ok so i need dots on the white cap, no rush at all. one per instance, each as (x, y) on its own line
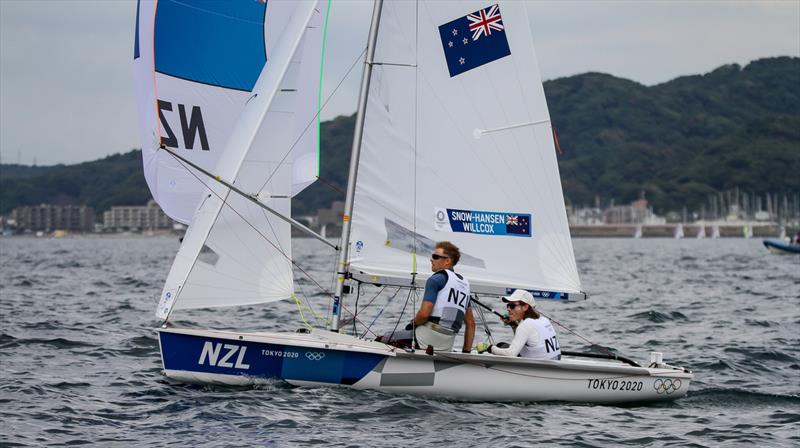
(520, 295)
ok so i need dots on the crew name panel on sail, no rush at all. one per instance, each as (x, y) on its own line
(483, 223)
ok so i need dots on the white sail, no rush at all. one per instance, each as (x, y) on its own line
(715, 231)
(234, 252)
(458, 146)
(701, 232)
(196, 66)
(679, 232)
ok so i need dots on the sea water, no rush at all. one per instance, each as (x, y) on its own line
(79, 359)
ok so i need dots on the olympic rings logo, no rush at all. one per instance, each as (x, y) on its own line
(315, 356)
(666, 386)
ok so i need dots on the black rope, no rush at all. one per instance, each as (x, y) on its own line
(484, 322)
(331, 186)
(402, 312)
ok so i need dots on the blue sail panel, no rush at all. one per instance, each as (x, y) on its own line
(211, 42)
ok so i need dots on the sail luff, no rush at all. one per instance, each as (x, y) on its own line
(236, 151)
(354, 157)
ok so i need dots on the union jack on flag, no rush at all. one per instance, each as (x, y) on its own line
(488, 40)
(512, 220)
(484, 21)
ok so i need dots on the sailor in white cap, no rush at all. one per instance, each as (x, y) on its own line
(534, 336)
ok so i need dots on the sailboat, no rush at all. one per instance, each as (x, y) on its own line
(638, 232)
(701, 232)
(679, 232)
(453, 141)
(715, 231)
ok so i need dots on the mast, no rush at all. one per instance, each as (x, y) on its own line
(344, 253)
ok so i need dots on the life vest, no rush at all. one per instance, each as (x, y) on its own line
(547, 346)
(452, 302)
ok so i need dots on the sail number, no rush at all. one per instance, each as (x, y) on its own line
(192, 126)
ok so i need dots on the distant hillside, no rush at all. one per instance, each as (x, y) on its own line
(114, 180)
(678, 141)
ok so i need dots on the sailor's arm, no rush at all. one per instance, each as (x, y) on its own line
(469, 330)
(523, 333)
(424, 313)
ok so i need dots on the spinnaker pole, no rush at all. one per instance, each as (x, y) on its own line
(344, 253)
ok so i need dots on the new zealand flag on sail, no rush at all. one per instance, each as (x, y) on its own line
(474, 40)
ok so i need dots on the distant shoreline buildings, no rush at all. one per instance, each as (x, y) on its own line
(60, 219)
(636, 219)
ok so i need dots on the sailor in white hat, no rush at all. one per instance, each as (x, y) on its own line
(534, 336)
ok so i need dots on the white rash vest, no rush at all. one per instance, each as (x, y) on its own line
(534, 339)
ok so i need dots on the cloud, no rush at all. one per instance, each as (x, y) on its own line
(66, 85)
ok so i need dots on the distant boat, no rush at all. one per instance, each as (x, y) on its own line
(638, 232)
(701, 233)
(679, 232)
(748, 231)
(715, 231)
(781, 247)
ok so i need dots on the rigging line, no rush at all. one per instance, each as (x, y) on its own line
(308, 305)
(575, 333)
(333, 187)
(358, 320)
(214, 13)
(251, 225)
(485, 323)
(402, 312)
(388, 302)
(250, 197)
(347, 322)
(314, 119)
(300, 310)
(373, 297)
(358, 295)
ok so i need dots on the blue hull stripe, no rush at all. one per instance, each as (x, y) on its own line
(211, 42)
(230, 357)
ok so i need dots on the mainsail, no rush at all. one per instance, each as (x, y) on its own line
(458, 146)
(196, 66)
(234, 252)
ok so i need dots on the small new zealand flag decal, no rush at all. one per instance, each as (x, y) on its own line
(474, 40)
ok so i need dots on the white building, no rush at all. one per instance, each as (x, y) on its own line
(137, 217)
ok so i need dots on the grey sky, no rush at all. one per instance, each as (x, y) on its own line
(66, 87)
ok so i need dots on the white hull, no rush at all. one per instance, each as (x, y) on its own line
(332, 359)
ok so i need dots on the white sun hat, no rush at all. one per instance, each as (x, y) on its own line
(520, 295)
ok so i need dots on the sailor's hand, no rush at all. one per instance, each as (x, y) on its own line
(483, 347)
(506, 320)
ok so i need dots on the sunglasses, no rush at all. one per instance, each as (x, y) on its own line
(513, 305)
(438, 257)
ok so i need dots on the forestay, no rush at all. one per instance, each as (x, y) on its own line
(234, 252)
(458, 146)
(196, 65)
